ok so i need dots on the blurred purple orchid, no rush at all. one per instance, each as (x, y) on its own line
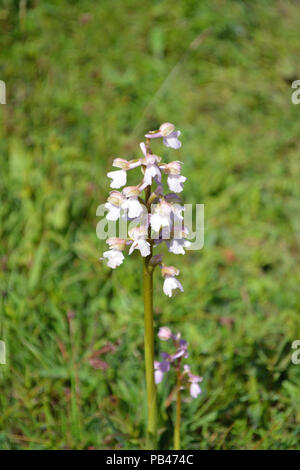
(174, 360)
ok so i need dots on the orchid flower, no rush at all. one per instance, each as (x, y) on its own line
(177, 246)
(170, 282)
(152, 170)
(168, 134)
(132, 203)
(114, 204)
(163, 213)
(114, 255)
(119, 177)
(160, 369)
(138, 235)
(195, 389)
(175, 180)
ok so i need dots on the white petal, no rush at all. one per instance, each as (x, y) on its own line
(174, 246)
(158, 376)
(177, 246)
(172, 140)
(134, 164)
(143, 148)
(195, 390)
(135, 208)
(156, 222)
(167, 288)
(155, 135)
(143, 185)
(165, 232)
(144, 247)
(114, 211)
(133, 247)
(118, 178)
(114, 257)
(177, 209)
(141, 245)
(170, 284)
(152, 172)
(175, 183)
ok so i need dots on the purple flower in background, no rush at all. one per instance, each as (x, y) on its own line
(186, 378)
(160, 369)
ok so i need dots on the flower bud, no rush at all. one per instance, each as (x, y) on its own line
(116, 243)
(156, 259)
(150, 159)
(115, 198)
(172, 168)
(121, 163)
(172, 197)
(169, 271)
(138, 232)
(164, 333)
(166, 128)
(130, 191)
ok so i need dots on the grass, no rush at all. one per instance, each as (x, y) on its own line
(84, 80)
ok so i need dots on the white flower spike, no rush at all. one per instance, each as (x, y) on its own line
(163, 212)
(157, 218)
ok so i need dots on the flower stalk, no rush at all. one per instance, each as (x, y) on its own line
(178, 413)
(154, 220)
(151, 436)
(185, 379)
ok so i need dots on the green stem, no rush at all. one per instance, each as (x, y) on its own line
(151, 437)
(149, 358)
(178, 414)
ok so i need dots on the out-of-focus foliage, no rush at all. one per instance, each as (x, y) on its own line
(84, 80)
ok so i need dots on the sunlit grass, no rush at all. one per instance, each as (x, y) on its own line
(79, 78)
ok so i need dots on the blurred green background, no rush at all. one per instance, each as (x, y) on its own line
(84, 81)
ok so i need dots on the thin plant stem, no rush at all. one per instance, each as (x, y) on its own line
(178, 413)
(75, 391)
(151, 437)
(149, 358)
